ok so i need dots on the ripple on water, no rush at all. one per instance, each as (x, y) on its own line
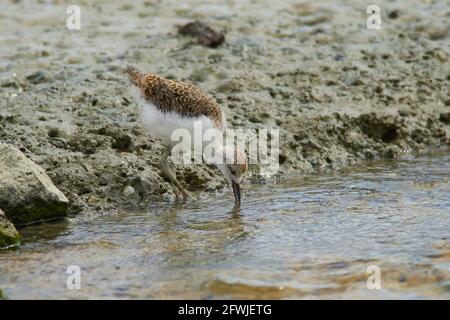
(306, 238)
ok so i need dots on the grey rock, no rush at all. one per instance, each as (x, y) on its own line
(37, 77)
(27, 195)
(8, 233)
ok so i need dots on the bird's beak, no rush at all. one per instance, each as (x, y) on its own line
(237, 191)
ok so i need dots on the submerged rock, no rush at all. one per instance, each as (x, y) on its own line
(27, 194)
(8, 233)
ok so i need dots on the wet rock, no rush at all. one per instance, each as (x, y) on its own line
(8, 233)
(391, 152)
(37, 77)
(27, 194)
(205, 35)
(370, 155)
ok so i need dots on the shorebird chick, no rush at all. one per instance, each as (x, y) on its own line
(167, 105)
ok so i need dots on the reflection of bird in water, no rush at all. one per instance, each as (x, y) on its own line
(167, 105)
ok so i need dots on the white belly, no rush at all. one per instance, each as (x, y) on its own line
(162, 125)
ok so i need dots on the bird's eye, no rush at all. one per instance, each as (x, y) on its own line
(233, 172)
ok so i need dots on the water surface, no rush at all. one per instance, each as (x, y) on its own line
(309, 237)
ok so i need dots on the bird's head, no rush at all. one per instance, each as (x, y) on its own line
(234, 168)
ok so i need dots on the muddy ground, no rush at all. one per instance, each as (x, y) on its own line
(339, 92)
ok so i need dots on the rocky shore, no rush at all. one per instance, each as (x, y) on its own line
(339, 93)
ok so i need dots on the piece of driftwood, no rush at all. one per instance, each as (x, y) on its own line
(205, 35)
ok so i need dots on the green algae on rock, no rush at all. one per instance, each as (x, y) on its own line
(27, 195)
(8, 235)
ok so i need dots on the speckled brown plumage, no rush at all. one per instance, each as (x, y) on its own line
(172, 96)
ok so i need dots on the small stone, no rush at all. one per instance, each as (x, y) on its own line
(37, 77)
(205, 35)
(128, 191)
(394, 14)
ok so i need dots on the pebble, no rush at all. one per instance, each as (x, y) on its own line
(128, 191)
(205, 35)
(37, 77)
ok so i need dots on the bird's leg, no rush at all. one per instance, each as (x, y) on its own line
(168, 172)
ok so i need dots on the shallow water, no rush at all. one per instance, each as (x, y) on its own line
(307, 238)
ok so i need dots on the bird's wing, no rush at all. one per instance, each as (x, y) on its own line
(182, 98)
